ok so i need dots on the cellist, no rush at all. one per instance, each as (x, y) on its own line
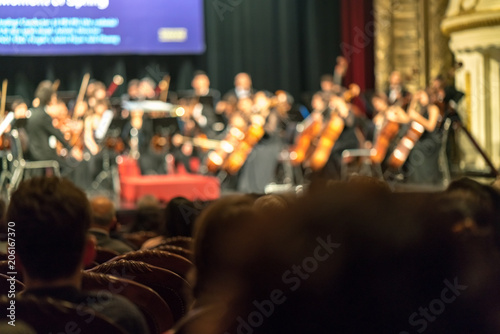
(331, 157)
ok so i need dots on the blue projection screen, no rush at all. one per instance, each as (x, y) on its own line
(82, 27)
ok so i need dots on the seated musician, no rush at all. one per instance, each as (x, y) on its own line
(189, 127)
(396, 92)
(422, 165)
(40, 128)
(260, 166)
(203, 99)
(347, 139)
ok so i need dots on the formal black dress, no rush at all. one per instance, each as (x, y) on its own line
(422, 165)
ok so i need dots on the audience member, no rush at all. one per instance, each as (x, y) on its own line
(149, 215)
(325, 266)
(180, 214)
(52, 219)
(103, 221)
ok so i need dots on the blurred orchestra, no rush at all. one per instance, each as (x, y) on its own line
(250, 139)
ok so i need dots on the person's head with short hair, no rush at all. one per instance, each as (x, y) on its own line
(103, 213)
(217, 243)
(45, 94)
(327, 83)
(270, 202)
(20, 108)
(180, 214)
(149, 215)
(395, 79)
(200, 82)
(133, 89)
(319, 101)
(243, 81)
(52, 217)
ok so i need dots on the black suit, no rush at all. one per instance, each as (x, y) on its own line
(40, 128)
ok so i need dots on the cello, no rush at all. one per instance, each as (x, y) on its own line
(392, 118)
(333, 129)
(235, 135)
(407, 143)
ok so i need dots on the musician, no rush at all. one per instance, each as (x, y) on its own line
(146, 89)
(40, 128)
(137, 135)
(347, 139)
(204, 100)
(242, 87)
(201, 87)
(260, 167)
(132, 91)
(422, 166)
(396, 92)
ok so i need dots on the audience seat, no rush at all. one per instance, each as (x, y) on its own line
(183, 242)
(158, 258)
(138, 238)
(170, 286)
(47, 315)
(155, 310)
(5, 285)
(103, 255)
(188, 254)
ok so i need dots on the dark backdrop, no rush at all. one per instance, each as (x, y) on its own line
(283, 44)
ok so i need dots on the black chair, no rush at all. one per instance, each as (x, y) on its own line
(47, 315)
(170, 286)
(103, 255)
(157, 313)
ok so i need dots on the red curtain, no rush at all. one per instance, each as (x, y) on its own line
(358, 37)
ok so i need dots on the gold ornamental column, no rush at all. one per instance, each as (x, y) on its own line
(474, 29)
(409, 39)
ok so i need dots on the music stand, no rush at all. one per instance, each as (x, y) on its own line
(109, 170)
(164, 126)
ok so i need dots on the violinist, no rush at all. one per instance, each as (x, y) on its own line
(40, 129)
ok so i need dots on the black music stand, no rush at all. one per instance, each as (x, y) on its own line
(165, 126)
(109, 170)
